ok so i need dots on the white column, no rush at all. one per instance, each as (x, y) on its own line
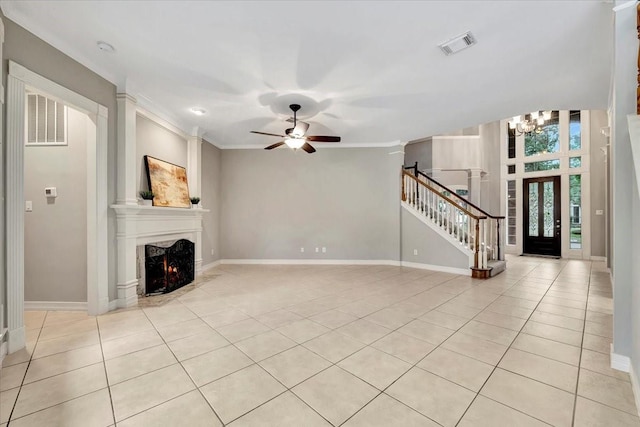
(97, 219)
(194, 163)
(127, 280)
(475, 178)
(2, 227)
(15, 215)
(127, 193)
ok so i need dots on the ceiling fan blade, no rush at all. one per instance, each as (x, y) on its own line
(319, 138)
(308, 148)
(265, 133)
(276, 145)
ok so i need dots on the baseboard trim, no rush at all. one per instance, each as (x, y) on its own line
(439, 268)
(619, 362)
(311, 261)
(599, 258)
(635, 386)
(113, 305)
(209, 266)
(55, 306)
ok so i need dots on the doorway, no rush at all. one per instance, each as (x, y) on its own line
(541, 219)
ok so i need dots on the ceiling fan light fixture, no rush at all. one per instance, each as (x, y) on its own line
(299, 129)
(294, 143)
(198, 111)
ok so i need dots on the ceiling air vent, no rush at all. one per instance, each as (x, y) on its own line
(458, 43)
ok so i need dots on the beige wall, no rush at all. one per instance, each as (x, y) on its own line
(55, 235)
(211, 158)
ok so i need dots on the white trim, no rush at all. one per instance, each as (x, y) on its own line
(598, 258)
(113, 305)
(55, 306)
(20, 80)
(311, 261)
(619, 362)
(635, 386)
(210, 266)
(316, 146)
(160, 121)
(439, 268)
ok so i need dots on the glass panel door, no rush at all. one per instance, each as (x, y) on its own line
(542, 216)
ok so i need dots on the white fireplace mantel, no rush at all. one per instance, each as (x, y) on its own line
(140, 225)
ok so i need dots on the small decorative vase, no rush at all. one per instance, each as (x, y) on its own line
(146, 202)
(195, 205)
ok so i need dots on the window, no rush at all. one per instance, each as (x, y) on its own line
(575, 133)
(511, 212)
(512, 143)
(547, 140)
(542, 166)
(511, 169)
(575, 162)
(575, 210)
(46, 121)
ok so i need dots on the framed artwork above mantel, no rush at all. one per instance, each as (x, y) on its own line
(168, 182)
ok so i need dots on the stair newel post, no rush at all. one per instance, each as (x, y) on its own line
(477, 244)
(415, 170)
(484, 238)
(404, 194)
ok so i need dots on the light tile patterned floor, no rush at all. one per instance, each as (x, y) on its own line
(334, 345)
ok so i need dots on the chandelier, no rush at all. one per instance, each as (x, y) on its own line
(532, 124)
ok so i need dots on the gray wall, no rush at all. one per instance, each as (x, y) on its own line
(490, 185)
(432, 248)
(55, 235)
(275, 202)
(210, 195)
(28, 50)
(159, 142)
(626, 329)
(598, 170)
(421, 152)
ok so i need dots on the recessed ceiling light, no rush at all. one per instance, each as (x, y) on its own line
(105, 47)
(198, 111)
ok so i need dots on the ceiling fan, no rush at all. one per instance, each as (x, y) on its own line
(295, 137)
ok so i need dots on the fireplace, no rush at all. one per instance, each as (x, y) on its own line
(168, 268)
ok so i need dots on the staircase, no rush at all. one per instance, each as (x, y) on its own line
(461, 223)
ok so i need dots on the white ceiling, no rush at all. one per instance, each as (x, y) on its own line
(370, 72)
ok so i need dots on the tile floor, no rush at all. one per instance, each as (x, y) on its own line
(334, 345)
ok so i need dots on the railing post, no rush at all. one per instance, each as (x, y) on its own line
(477, 245)
(498, 258)
(415, 169)
(404, 193)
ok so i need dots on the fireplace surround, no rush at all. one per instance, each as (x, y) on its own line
(144, 225)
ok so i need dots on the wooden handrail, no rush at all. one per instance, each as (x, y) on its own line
(444, 197)
(417, 172)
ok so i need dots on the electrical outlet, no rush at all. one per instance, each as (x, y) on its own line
(317, 250)
(301, 249)
(415, 252)
(599, 212)
(324, 250)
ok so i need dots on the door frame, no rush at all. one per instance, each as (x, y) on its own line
(557, 217)
(18, 81)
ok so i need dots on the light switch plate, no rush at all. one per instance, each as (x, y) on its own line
(28, 206)
(599, 212)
